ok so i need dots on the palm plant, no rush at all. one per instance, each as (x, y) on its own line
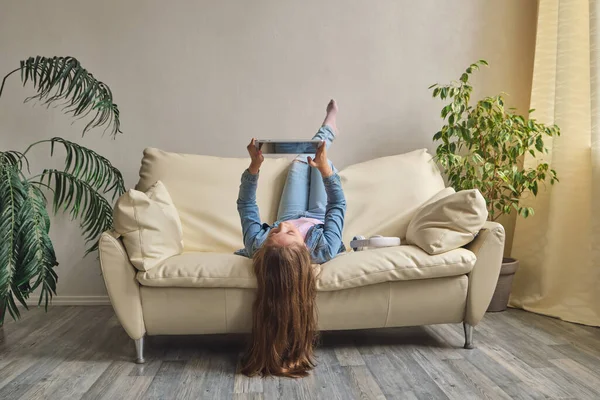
(27, 257)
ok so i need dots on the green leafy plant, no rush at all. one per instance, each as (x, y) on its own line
(27, 257)
(482, 146)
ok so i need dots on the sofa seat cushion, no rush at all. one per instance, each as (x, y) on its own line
(200, 269)
(346, 271)
(402, 263)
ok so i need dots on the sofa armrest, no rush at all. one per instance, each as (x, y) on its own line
(122, 287)
(488, 246)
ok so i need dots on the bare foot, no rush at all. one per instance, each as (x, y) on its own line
(331, 117)
(332, 107)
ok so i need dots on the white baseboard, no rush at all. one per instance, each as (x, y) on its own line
(74, 301)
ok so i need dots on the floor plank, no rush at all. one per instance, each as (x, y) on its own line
(365, 383)
(412, 376)
(486, 388)
(244, 384)
(83, 353)
(107, 382)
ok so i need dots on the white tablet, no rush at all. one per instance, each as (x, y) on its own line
(288, 146)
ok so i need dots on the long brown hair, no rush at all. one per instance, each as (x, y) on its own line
(284, 321)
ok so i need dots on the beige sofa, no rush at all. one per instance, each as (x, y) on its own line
(207, 289)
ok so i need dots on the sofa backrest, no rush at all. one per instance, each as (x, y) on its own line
(382, 194)
(204, 190)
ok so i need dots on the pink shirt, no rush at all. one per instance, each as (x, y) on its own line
(304, 224)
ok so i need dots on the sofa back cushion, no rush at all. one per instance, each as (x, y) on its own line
(383, 194)
(149, 225)
(449, 222)
(204, 190)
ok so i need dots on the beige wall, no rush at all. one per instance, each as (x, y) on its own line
(203, 77)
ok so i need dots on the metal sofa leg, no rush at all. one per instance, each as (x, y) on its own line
(468, 335)
(139, 351)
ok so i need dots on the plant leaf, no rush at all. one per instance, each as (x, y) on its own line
(91, 168)
(84, 92)
(36, 252)
(93, 210)
(539, 144)
(12, 195)
(14, 158)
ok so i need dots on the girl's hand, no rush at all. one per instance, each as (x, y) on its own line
(256, 157)
(321, 162)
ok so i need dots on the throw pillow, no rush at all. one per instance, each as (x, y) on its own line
(439, 195)
(448, 223)
(149, 225)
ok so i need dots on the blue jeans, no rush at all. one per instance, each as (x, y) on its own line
(304, 192)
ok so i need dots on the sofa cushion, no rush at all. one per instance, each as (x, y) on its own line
(400, 263)
(204, 189)
(201, 270)
(438, 196)
(343, 272)
(448, 223)
(383, 194)
(149, 225)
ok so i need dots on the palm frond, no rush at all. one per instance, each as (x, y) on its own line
(36, 253)
(16, 158)
(12, 195)
(82, 201)
(63, 81)
(91, 167)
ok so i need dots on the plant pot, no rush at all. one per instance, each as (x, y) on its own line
(503, 287)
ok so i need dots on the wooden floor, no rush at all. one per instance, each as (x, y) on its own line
(83, 353)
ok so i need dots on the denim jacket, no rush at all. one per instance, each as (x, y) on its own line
(324, 241)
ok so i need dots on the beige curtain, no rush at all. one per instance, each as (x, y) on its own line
(559, 247)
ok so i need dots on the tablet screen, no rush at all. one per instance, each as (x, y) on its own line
(288, 147)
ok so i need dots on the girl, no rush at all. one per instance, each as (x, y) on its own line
(308, 230)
